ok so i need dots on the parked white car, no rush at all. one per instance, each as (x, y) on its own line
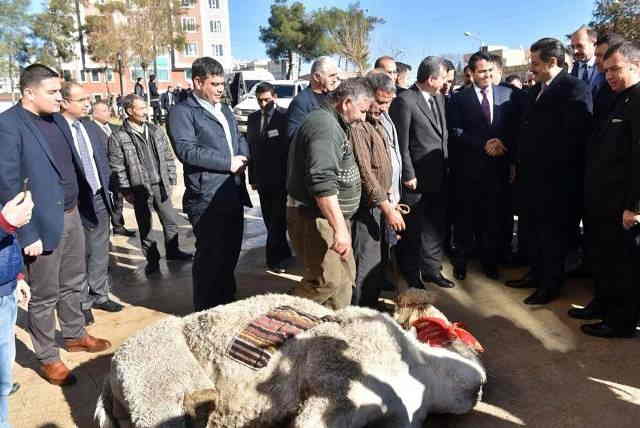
(285, 89)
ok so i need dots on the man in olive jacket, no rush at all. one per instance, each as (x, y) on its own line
(140, 157)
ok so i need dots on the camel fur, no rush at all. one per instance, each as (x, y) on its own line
(361, 370)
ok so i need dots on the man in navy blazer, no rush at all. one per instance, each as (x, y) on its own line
(554, 129)
(206, 139)
(324, 79)
(35, 146)
(583, 43)
(85, 133)
(482, 123)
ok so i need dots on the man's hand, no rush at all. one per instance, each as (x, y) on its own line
(23, 293)
(494, 147)
(393, 217)
(411, 184)
(238, 163)
(629, 219)
(35, 249)
(18, 212)
(129, 197)
(341, 242)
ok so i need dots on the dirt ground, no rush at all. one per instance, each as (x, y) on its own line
(542, 371)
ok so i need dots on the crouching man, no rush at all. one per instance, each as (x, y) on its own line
(323, 187)
(377, 220)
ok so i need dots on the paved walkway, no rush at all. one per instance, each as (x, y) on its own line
(542, 371)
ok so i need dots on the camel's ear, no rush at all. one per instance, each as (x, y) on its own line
(198, 405)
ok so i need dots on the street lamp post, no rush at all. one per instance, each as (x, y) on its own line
(483, 47)
(120, 73)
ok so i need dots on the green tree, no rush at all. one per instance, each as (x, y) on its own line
(53, 34)
(620, 16)
(349, 32)
(290, 29)
(14, 27)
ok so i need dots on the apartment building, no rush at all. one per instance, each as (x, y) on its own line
(207, 30)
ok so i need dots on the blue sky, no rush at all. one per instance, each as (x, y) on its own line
(427, 27)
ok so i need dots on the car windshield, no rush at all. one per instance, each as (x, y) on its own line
(251, 83)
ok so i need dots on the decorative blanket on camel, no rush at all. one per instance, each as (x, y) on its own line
(255, 344)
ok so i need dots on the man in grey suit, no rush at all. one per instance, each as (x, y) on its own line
(419, 116)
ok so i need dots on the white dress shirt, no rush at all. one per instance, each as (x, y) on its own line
(489, 97)
(216, 111)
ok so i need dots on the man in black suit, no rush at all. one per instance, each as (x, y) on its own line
(168, 99)
(37, 145)
(481, 120)
(613, 198)
(419, 116)
(92, 149)
(102, 118)
(269, 149)
(554, 129)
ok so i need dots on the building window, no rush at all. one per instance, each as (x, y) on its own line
(83, 76)
(191, 49)
(214, 4)
(66, 75)
(215, 26)
(187, 74)
(186, 3)
(95, 76)
(189, 23)
(217, 50)
(109, 75)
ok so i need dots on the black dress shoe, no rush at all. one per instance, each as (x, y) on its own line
(109, 306)
(593, 311)
(277, 268)
(439, 280)
(459, 273)
(14, 388)
(601, 329)
(179, 255)
(88, 317)
(121, 230)
(540, 297)
(491, 271)
(152, 266)
(525, 282)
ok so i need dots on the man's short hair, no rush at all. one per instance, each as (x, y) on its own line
(448, 65)
(431, 66)
(548, 48)
(402, 67)
(381, 81)
(67, 86)
(206, 66)
(127, 102)
(321, 63)
(34, 74)
(378, 63)
(496, 60)
(265, 87)
(466, 68)
(478, 56)
(609, 39)
(629, 50)
(591, 33)
(354, 88)
(512, 78)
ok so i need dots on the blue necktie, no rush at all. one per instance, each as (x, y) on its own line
(85, 157)
(585, 74)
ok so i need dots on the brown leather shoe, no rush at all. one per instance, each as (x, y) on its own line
(57, 373)
(86, 343)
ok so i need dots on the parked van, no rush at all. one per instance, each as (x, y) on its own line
(241, 82)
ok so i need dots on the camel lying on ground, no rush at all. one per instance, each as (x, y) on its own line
(358, 368)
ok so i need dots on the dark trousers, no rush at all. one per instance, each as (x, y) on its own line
(547, 247)
(56, 281)
(368, 240)
(478, 222)
(420, 249)
(274, 214)
(117, 219)
(96, 289)
(143, 204)
(613, 261)
(218, 235)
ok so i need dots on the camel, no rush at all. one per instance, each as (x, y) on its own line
(360, 368)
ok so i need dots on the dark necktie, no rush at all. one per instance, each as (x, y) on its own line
(434, 110)
(585, 73)
(265, 122)
(575, 72)
(85, 157)
(486, 108)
